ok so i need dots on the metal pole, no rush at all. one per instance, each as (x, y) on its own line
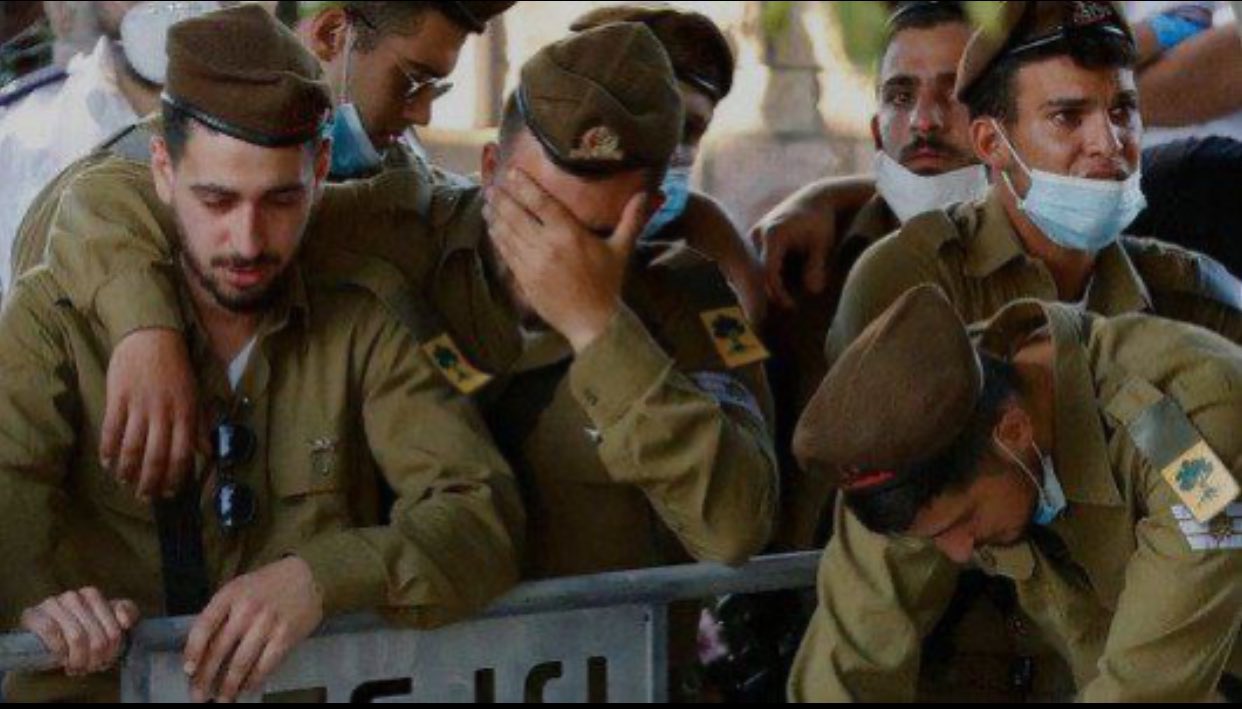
(657, 586)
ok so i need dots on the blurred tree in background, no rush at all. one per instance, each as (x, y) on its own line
(863, 24)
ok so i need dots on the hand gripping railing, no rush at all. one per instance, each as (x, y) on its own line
(601, 637)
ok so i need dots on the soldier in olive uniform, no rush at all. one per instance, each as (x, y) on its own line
(387, 63)
(1092, 461)
(362, 47)
(319, 395)
(1055, 116)
(923, 151)
(622, 379)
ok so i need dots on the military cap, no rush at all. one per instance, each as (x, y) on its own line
(473, 15)
(242, 73)
(1026, 26)
(603, 101)
(700, 53)
(900, 395)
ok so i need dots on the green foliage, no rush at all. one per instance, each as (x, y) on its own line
(863, 25)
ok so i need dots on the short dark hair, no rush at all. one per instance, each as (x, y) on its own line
(178, 124)
(513, 124)
(922, 15)
(892, 508)
(176, 130)
(381, 19)
(993, 94)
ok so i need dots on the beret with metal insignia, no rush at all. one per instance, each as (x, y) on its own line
(603, 101)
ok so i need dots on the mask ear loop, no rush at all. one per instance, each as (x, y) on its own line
(1017, 157)
(347, 69)
(1039, 489)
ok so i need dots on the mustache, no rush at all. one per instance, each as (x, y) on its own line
(929, 142)
(238, 262)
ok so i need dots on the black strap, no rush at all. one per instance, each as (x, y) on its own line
(186, 590)
(30, 83)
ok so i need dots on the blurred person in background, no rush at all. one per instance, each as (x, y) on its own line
(120, 80)
(1190, 69)
(25, 47)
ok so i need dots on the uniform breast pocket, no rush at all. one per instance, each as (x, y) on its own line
(116, 497)
(312, 466)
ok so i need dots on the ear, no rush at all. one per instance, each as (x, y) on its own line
(490, 162)
(875, 132)
(162, 171)
(655, 202)
(327, 34)
(1015, 430)
(323, 164)
(989, 145)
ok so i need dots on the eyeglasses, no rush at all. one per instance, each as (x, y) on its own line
(414, 91)
(232, 446)
(416, 86)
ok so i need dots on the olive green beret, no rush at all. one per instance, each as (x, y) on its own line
(603, 101)
(1025, 26)
(900, 395)
(700, 53)
(242, 73)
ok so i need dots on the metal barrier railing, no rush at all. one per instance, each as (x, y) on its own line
(601, 638)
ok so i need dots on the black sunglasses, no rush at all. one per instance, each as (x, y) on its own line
(232, 446)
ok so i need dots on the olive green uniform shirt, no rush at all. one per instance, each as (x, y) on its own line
(647, 448)
(1141, 608)
(975, 256)
(341, 401)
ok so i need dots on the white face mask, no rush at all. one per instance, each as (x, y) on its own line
(144, 34)
(910, 195)
(1076, 213)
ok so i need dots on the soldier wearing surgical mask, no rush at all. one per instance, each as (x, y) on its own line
(1089, 462)
(387, 64)
(1054, 117)
(923, 161)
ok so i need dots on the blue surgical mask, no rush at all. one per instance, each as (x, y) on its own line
(1077, 213)
(1052, 501)
(353, 154)
(676, 189)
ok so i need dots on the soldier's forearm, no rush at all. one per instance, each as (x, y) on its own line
(1184, 89)
(709, 471)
